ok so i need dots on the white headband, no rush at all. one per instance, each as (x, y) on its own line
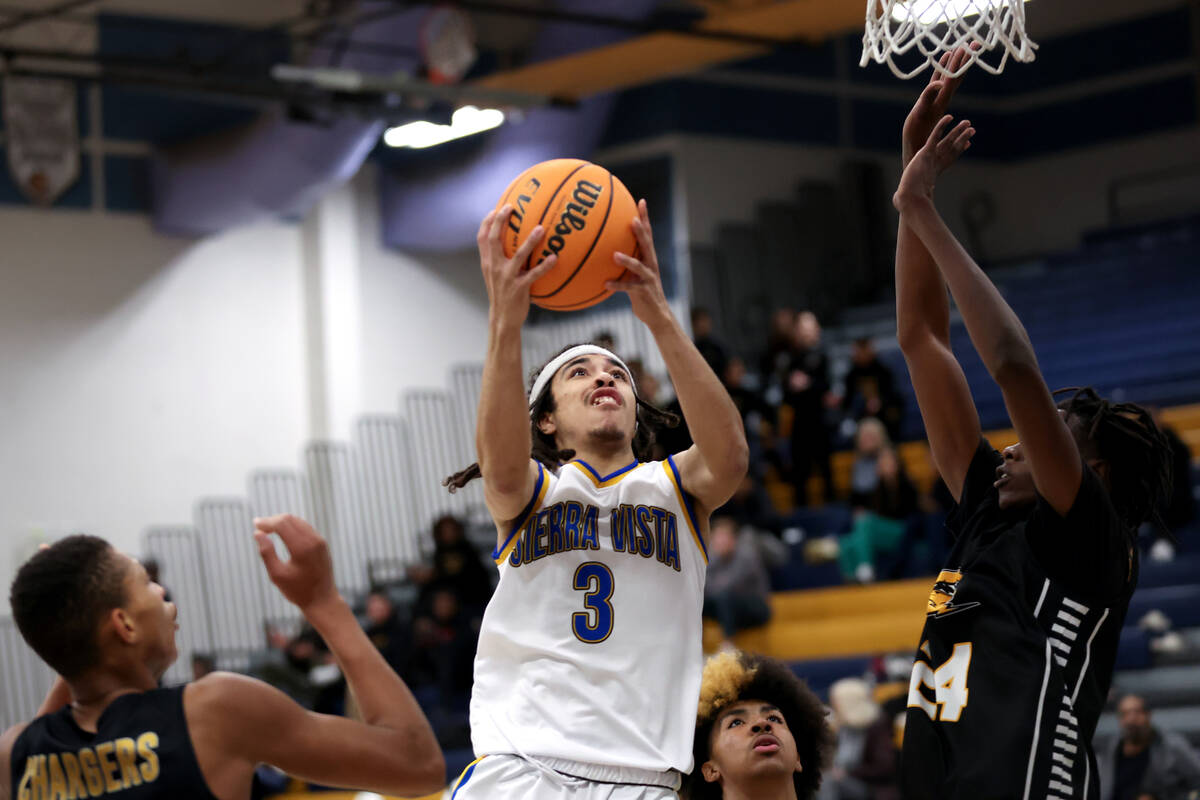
(544, 377)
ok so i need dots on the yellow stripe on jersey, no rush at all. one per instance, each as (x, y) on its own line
(685, 500)
(539, 494)
(464, 774)
(599, 481)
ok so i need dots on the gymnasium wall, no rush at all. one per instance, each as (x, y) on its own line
(142, 371)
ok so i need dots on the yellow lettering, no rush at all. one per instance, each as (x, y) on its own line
(23, 790)
(75, 787)
(58, 781)
(39, 785)
(108, 767)
(146, 745)
(91, 772)
(127, 758)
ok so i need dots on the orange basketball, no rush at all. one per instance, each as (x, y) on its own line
(587, 213)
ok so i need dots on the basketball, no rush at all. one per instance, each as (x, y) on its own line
(586, 212)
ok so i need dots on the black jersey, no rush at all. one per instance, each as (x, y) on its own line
(140, 750)
(1016, 655)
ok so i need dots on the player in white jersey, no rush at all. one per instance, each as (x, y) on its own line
(589, 658)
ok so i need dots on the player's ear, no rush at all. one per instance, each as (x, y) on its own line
(122, 625)
(710, 771)
(1100, 466)
(546, 424)
(799, 765)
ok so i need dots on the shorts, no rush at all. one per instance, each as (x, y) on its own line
(510, 776)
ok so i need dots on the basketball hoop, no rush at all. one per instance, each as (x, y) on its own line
(989, 30)
(447, 42)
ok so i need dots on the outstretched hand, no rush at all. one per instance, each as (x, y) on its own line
(306, 579)
(642, 280)
(931, 105)
(508, 282)
(940, 151)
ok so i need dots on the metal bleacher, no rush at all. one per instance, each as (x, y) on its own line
(374, 498)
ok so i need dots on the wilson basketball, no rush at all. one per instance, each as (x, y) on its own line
(587, 213)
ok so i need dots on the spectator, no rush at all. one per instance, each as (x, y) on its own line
(864, 758)
(1179, 508)
(880, 520)
(202, 664)
(444, 644)
(702, 334)
(773, 363)
(737, 588)
(387, 630)
(870, 440)
(871, 389)
(605, 339)
(806, 391)
(456, 566)
(750, 505)
(1145, 762)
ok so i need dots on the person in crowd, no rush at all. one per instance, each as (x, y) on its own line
(456, 566)
(710, 348)
(737, 589)
(761, 733)
(387, 630)
(865, 761)
(776, 357)
(604, 338)
(870, 389)
(807, 392)
(870, 439)
(1145, 762)
(881, 517)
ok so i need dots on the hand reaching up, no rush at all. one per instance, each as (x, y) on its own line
(940, 151)
(932, 103)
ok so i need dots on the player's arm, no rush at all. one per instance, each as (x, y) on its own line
(996, 332)
(923, 315)
(715, 464)
(393, 750)
(502, 439)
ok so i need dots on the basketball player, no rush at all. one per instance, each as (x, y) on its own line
(589, 656)
(96, 618)
(760, 732)
(1022, 626)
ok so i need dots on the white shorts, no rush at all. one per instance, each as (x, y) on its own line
(509, 776)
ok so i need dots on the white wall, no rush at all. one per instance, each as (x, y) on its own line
(139, 372)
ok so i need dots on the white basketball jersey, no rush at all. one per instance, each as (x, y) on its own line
(590, 649)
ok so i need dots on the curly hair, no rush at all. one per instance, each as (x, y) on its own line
(733, 676)
(1137, 452)
(546, 451)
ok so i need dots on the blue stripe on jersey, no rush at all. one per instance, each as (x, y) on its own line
(466, 776)
(539, 492)
(606, 480)
(686, 500)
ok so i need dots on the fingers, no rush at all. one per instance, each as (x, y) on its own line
(535, 237)
(266, 551)
(939, 130)
(484, 227)
(623, 284)
(645, 236)
(542, 268)
(639, 269)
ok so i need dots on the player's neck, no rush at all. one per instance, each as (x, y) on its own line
(94, 692)
(603, 460)
(771, 787)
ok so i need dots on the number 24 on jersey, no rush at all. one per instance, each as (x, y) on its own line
(948, 682)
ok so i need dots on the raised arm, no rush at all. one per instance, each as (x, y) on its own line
(502, 438)
(998, 336)
(712, 468)
(923, 315)
(237, 721)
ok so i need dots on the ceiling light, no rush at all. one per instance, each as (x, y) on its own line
(466, 121)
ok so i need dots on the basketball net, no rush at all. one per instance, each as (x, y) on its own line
(934, 27)
(447, 41)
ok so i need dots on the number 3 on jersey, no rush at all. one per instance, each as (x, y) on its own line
(594, 625)
(948, 682)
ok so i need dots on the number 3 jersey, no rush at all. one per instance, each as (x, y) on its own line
(590, 649)
(1016, 655)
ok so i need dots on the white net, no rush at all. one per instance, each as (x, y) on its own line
(911, 35)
